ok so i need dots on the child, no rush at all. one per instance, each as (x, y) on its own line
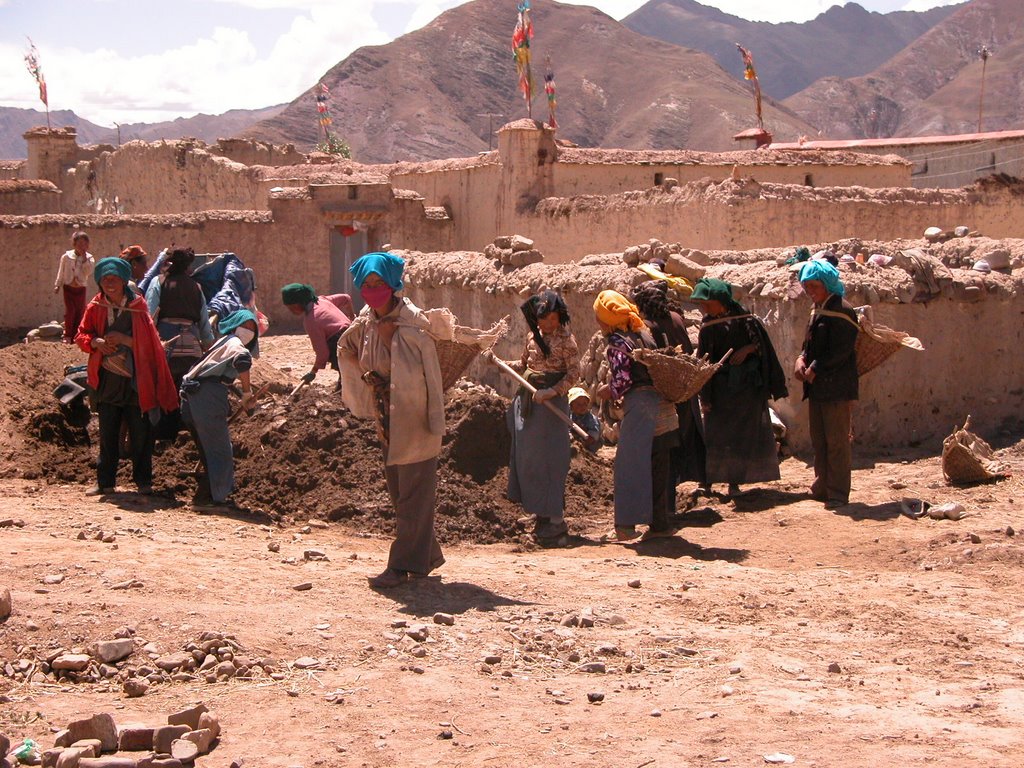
(584, 418)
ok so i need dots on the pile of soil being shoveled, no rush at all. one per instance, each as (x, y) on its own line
(296, 459)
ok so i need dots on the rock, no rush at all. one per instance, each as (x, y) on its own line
(189, 717)
(72, 662)
(655, 713)
(134, 738)
(504, 242)
(587, 617)
(314, 554)
(525, 258)
(49, 757)
(616, 620)
(1009, 531)
(109, 651)
(135, 686)
(165, 734)
(108, 761)
(70, 757)
(520, 243)
(418, 632)
(444, 618)
(184, 750)
(5, 745)
(594, 666)
(998, 258)
(53, 578)
(153, 761)
(834, 668)
(174, 661)
(569, 620)
(224, 669)
(634, 583)
(303, 587)
(631, 256)
(593, 698)
(5, 606)
(933, 234)
(975, 538)
(100, 727)
(961, 231)
(211, 722)
(306, 662)
(727, 690)
(202, 738)
(492, 658)
(89, 747)
(274, 546)
(677, 264)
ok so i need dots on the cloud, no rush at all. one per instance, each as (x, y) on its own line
(220, 72)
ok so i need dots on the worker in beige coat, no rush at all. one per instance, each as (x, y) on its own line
(390, 372)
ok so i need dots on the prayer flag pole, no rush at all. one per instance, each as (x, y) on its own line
(549, 89)
(521, 37)
(34, 68)
(750, 74)
(984, 52)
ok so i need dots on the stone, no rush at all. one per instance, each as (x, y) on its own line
(933, 234)
(135, 686)
(134, 738)
(834, 668)
(314, 554)
(274, 546)
(520, 243)
(72, 662)
(303, 587)
(677, 264)
(493, 658)
(634, 583)
(998, 258)
(49, 756)
(210, 721)
(5, 606)
(184, 750)
(569, 620)
(503, 242)
(53, 578)
(418, 632)
(165, 734)
(153, 761)
(306, 662)
(961, 231)
(444, 618)
(597, 667)
(70, 757)
(189, 717)
(202, 738)
(174, 661)
(89, 747)
(593, 698)
(109, 651)
(108, 761)
(525, 258)
(5, 745)
(100, 726)
(226, 669)
(631, 256)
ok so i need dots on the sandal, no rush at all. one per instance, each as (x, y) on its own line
(664, 533)
(388, 578)
(621, 535)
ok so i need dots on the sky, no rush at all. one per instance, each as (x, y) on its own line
(131, 61)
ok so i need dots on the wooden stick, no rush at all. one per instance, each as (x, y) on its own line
(576, 429)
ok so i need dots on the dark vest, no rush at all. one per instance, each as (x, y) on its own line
(181, 296)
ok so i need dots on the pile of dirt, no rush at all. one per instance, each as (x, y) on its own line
(296, 459)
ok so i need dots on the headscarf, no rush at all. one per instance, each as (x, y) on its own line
(614, 309)
(539, 305)
(651, 298)
(113, 265)
(820, 270)
(387, 265)
(712, 289)
(228, 324)
(133, 252)
(298, 293)
(179, 260)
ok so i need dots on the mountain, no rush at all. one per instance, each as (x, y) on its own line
(844, 41)
(14, 122)
(933, 85)
(427, 94)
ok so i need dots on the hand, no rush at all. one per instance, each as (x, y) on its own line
(543, 395)
(56, 288)
(104, 346)
(487, 355)
(604, 392)
(810, 375)
(308, 377)
(116, 338)
(249, 402)
(800, 369)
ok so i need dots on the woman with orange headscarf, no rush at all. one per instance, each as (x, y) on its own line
(649, 427)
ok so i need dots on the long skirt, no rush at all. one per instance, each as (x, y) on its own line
(413, 490)
(539, 458)
(740, 439)
(206, 412)
(634, 489)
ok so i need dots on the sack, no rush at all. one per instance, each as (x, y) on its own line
(120, 362)
(966, 458)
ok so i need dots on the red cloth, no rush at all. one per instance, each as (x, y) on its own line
(74, 308)
(153, 379)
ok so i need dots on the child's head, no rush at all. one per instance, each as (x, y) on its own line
(579, 400)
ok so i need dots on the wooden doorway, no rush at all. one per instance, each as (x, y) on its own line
(347, 245)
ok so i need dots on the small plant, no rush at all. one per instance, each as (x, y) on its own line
(335, 145)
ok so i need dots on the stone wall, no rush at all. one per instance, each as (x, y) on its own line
(969, 366)
(29, 197)
(252, 152)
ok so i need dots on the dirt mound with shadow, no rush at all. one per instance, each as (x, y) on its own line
(296, 459)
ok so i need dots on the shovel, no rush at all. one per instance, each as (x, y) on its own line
(297, 388)
(505, 368)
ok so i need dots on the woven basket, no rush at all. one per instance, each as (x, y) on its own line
(676, 375)
(967, 459)
(877, 343)
(455, 358)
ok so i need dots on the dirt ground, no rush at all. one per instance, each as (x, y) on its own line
(858, 637)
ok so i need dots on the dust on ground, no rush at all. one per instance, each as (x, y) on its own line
(768, 625)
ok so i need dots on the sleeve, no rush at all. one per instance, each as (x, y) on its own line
(317, 338)
(355, 393)
(205, 329)
(343, 302)
(88, 329)
(243, 361)
(570, 354)
(621, 367)
(61, 266)
(435, 384)
(153, 298)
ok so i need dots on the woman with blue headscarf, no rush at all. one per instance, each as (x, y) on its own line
(828, 368)
(391, 373)
(128, 374)
(205, 407)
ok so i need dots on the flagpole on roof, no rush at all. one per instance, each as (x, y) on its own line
(750, 74)
(34, 68)
(521, 36)
(984, 53)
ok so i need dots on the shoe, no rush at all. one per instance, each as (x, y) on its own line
(388, 578)
(551, 530)
(213, 506)
(661, 533)
(836, 503)
(621, 534)
(145, 490)
(539, 523)
(99, 490)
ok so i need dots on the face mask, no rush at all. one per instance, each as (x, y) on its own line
(377, 297)
(244, 335)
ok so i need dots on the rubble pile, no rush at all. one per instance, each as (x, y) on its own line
(513, 251)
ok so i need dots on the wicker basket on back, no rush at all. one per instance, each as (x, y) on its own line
(457, 355)
(877, 343)
(676, 375)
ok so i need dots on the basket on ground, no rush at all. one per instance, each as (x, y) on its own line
(967, 459)
(676, 375)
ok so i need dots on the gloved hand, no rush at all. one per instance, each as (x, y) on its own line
(308, 377)
(544, 394)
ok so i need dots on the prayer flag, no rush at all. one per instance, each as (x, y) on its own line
(750, 74)
(521, 36)
(549, 89)
(32, 62)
